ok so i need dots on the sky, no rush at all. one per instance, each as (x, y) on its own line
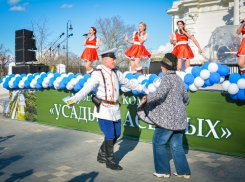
(17, 14)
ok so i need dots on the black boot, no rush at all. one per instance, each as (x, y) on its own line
(101, 154)
(110, 160)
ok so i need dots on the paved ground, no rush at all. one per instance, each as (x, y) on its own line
(36, 152)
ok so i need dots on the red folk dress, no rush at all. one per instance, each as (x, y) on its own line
(138, 50)
(182, 50)
(241, 50)
(90, 53)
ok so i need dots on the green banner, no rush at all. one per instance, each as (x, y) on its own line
(215, 122)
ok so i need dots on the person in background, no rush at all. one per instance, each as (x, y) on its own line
(182, 49)
(241, 50)
(165, 109)
(137, 51)
(89, 54)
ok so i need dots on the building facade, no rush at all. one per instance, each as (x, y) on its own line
(204, 16)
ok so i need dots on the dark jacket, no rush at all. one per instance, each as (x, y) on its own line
(165, 108)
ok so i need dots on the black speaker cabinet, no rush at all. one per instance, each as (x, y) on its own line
(155, 68)
(24, 33)
(31, 68)
(22, 56)
(25, 43)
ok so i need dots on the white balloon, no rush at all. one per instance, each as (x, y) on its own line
(79, 77)
(233, 88)
(225, 85)
(213, 67)
(124, 89)
(204, 74)
(32, 85)
(24, 79)
(73, 81)
(63, 75)
(125, 73)
(34, 82)
(157, 82)
(21, 84)
(181, 74)
(17, 75)
(69, 86)
(148, 76)
(37, 76)
(241, 83)
(45, 85)
(11, 84)
(69, 73)
(42, 73)
(2, 84)
(56, 84)
(50, 75)
(58, 79)
(12, 79)
(46, 81)
(58, 87)
(188, 70)
(141, 78)
(193, 88)
(28, 74)
(222, 79)
(4, 79)
(151, 88)
(198, 82)
(134, 81)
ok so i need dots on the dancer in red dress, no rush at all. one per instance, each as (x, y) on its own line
(241, 50)
(90, 53)
(182, 50)
(137, 51)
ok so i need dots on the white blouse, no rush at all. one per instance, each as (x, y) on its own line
(144, 37)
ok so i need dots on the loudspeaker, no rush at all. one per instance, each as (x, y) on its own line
(31, 68)
(24, 56)
(155, 68)
(25, 43)
(24, 33)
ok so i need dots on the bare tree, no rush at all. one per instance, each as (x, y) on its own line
(5, 58)
(41, 32)
(112, 31)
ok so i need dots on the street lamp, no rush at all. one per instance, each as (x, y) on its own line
(67, 36)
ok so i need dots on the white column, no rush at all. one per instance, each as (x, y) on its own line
(236, 12)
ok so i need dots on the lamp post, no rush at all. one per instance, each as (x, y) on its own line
(67, 36)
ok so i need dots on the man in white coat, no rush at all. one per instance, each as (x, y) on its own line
(106, 81)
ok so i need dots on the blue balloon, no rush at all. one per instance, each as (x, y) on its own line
(18, 78)
(129, 76)
(7, 79)
(135, 92)
(186, 86)
(62, 85)
(30, 78)
(243, 76)
(241, 94)
(81, 82)
(23, 75)
(189, 79)
(35, 74)
(56, 75)
(43, 75)
(63, 73)
(40, 81)
(145, 81)
(234, 96)
(52, 80)
(27, 84)
(71, 76)
(160, 74)
(39, 86)
(49, 72)
(234, 77)
(152, 78)
(77, 87)
(205, 66)
(65, 80)
(196, 71)
(223, 70)
(86, 77)
(94, 89)
(5, 85)
(137, 75)
(78, 74)
(204, 86)
(214, 78)
(208, 83)
(51, 84)
(15, 83)
(120, 86)
(11, 76)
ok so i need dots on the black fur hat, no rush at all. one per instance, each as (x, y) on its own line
(170, 61)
